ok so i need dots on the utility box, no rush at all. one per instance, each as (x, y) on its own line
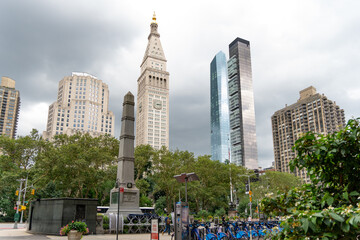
(182, 221)
(48, 216)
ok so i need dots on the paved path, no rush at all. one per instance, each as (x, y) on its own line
(21, 234)
(11, 226)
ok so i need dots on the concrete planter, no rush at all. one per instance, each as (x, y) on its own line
(74, 235)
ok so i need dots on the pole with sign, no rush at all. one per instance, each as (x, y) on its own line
(154, 229)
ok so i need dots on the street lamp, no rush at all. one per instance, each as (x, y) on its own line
(186, 177)
(249, 197)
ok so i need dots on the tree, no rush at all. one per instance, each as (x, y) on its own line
(329, 208)
(79, 164)
(16, 162)
(143, 157)
(166, 165)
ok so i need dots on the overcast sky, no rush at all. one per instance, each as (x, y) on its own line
(294, 44)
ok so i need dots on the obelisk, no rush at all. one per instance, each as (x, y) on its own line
(129, 194)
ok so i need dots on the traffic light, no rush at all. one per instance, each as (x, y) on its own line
(32, 191)
(257, 173)
(247, 187)
(17, 193)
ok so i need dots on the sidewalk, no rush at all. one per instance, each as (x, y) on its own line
(17, 234)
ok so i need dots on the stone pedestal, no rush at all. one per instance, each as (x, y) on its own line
(232, 213)
(129, 201)
(99, 224)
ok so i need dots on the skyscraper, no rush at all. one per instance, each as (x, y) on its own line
(10, 106)
(219, 108)
(152, 113)
(82, 105)
(241, 105)
(312, 112)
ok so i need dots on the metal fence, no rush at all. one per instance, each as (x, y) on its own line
(136, 224)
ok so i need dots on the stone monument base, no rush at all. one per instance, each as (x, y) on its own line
(129, 201)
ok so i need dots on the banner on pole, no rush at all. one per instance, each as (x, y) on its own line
(154, 229)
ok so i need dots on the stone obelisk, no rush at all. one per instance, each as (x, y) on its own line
(129, 194)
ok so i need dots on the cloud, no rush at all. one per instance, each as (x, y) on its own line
(294, 44)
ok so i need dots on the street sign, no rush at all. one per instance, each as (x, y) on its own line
(154, 229)
(18, 203)
(121, 189)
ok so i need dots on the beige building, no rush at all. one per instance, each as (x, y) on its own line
(152, 113)
(10, 106)
(312, 112)
(82, 105)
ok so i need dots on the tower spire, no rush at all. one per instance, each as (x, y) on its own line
(154, 18)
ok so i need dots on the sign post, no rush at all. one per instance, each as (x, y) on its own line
(154, 229)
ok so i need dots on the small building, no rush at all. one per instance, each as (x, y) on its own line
(48, 216)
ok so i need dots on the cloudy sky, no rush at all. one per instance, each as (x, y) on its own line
(294, 44)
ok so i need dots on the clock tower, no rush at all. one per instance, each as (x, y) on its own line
(152, 112)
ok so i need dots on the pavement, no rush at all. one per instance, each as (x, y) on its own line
(21, 234)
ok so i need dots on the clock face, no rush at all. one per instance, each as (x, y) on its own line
(157, 104)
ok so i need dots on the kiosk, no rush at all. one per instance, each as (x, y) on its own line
(182, 231)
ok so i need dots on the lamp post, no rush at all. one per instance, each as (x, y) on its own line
(249, 197)
(186, 177)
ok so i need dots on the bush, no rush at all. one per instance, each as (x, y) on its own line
(329, 208)
(106, 222)
(220, 212)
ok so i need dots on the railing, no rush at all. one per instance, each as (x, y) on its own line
(135, 224)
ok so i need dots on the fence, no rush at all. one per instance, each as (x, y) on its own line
(135, 224)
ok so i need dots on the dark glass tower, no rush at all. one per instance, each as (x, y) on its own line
(241, 105)
(219, 108)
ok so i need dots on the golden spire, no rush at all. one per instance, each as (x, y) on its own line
(154, 17)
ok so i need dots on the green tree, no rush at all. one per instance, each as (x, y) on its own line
(79, 164)
(143, 160)
(16, 162)
(166, 165)
(329, 208)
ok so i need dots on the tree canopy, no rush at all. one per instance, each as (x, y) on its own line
(329, 207)
(83, 166)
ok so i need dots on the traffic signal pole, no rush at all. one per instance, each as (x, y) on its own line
(23, 201)
(250, 205)
(16, 218)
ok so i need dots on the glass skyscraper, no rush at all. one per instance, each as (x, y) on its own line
(241, 105)
(219, 108)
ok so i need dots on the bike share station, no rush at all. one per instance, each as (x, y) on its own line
(181, 221)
